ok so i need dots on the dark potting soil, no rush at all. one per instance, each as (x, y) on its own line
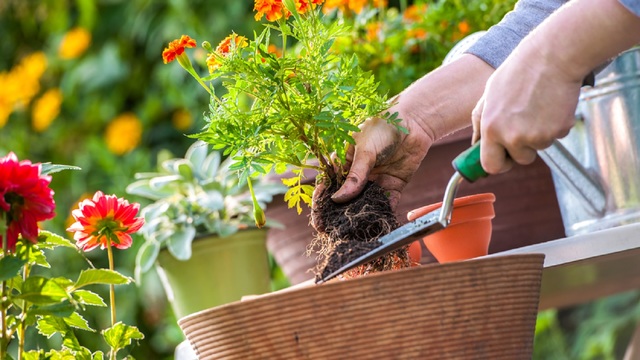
(347, 231)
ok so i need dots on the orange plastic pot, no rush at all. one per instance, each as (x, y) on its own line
(469, 233)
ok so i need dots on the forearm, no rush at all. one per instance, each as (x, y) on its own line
(585, 34)
(441, 102)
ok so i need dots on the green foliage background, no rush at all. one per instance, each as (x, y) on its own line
(122, 71)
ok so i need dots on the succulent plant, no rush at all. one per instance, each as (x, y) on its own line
(195, 196)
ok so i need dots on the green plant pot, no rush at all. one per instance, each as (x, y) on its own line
(220, 271)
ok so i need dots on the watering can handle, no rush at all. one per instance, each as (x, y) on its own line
(565, 165)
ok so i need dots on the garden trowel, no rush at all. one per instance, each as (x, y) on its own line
(467, 166)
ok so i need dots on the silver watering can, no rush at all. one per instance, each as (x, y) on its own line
(596, 167)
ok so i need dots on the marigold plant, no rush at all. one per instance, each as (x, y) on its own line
(287, 111)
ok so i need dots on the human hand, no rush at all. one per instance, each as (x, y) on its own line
(385, 155)
(527, 103)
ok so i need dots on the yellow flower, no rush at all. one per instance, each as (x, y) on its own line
(46, 109)
(23, 82)
(123, 134)
(182, 120)
(74, 43)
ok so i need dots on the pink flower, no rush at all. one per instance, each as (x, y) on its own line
(25, 198)
(105, 218)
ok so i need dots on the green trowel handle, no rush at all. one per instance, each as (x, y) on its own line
(468, 164)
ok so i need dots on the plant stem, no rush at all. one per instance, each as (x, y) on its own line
(23, 313)
(112, 293)
(4, 342)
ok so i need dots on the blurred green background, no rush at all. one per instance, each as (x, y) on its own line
(82, 83)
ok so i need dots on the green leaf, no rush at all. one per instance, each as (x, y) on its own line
(78, 322)
(33, 355)
(87, 297)
(51, 240)
(49, 168)
(147, 255)
(185, 169)
(62, 309)
(40, 290)
(100, 276)
(179, 243)
(50, 325)
(120, 335)
(10, 266)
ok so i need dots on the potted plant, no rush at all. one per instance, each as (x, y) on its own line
(200, 230)
(290, 103)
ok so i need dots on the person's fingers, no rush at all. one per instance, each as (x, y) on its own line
(476, 115)
(363, 162)
(493, 157)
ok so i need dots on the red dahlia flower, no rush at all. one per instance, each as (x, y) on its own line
(105, 218)
(25, 199)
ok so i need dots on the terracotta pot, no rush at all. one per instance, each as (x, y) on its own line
(469, 233)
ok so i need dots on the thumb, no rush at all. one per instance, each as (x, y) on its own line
(357, 177)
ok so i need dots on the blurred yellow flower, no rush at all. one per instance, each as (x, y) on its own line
(20, 84)
(123, 134)
(74, 43)
(182, 120)
(46, 109)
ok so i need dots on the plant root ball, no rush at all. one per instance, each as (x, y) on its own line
(347, 231)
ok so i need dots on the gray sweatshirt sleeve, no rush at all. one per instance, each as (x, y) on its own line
(632, 5)
(502, 38)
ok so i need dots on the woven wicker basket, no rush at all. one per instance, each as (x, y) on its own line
(478, 309)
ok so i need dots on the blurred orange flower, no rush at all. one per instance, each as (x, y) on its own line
(415, 12)
(176, 48)
(374, 31)
(46, 109)
(464, 27)
(74, 43)
(123, 134)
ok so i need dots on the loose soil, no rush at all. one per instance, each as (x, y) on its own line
(347, 231)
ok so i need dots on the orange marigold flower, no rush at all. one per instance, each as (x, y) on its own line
(212, 62)
(105, 220)
(302, 6)
(176, 48)
(225, 47)
(272, 9)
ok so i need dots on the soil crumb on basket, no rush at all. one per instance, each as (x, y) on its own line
(347, 231)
